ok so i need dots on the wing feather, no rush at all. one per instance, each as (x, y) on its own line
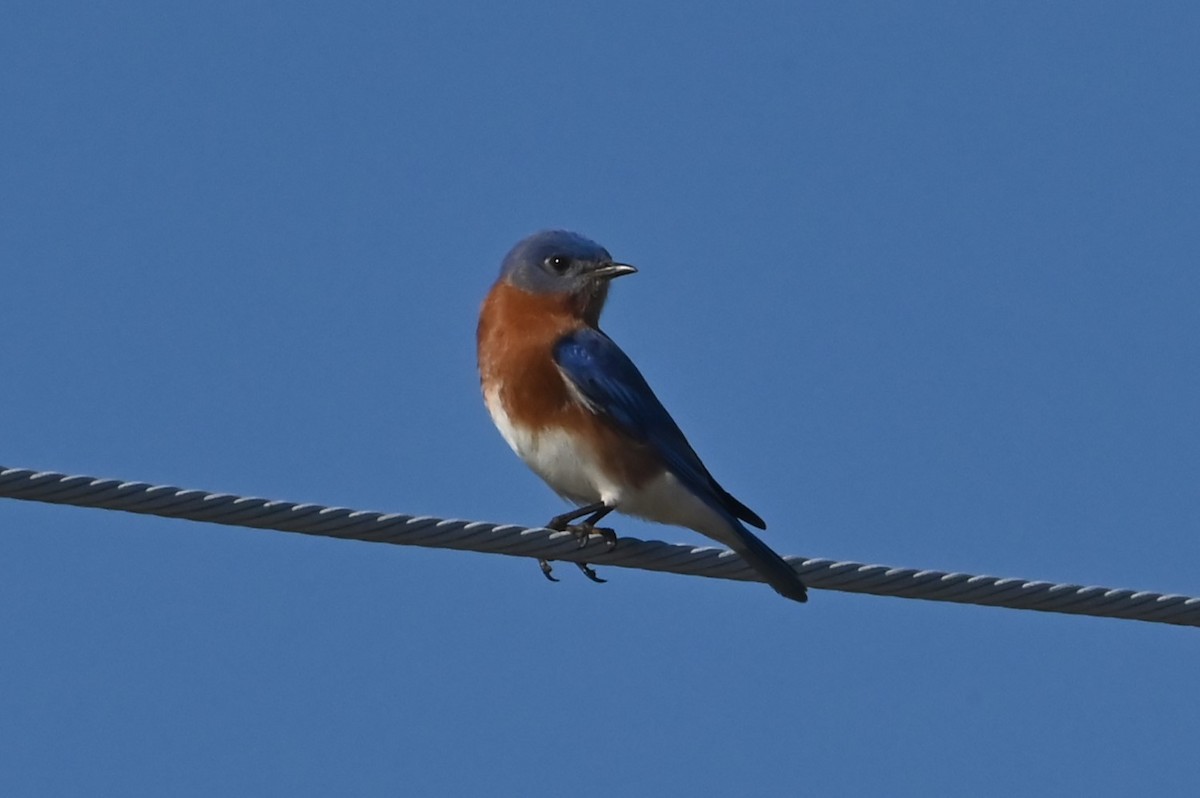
(609, 384)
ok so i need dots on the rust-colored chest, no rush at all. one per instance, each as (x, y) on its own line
(522, 383)
(516, 337)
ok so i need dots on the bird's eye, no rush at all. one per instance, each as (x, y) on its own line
(559, 263)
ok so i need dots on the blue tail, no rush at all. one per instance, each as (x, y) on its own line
(779, 575)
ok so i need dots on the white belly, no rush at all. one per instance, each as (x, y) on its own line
(567, 466)
(573, 471)
(665, 500)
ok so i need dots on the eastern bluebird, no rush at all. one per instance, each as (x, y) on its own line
(573, 406)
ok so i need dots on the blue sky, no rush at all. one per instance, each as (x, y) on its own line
(920, 283)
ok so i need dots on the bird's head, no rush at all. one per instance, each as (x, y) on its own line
(564, 264)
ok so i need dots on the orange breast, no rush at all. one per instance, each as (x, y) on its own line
(516, 337)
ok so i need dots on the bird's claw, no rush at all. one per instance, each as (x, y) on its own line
(589, 573)
(583, 531)
(607, 535)
(547, 571)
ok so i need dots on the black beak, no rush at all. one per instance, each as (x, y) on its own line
(611, 271)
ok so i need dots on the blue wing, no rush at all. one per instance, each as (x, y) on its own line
(613, 387)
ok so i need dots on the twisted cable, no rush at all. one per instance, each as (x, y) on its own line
(339, 522)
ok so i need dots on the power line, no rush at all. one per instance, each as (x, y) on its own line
(338, 522)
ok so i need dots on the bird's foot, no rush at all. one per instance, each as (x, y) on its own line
(548, 571)
(583, 531)
(589, 573)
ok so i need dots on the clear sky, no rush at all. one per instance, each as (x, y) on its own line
(920, 282)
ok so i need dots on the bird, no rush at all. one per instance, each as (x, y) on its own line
(575, 408)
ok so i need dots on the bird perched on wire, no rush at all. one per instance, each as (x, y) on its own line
(573, 406)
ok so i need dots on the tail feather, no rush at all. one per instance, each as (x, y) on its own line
(779, 575)
(738, 509)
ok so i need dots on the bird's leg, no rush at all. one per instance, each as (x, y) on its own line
(594, 513)
(562, 523)
(589, 523)
(547, 571)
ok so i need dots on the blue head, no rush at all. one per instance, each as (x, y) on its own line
(563, 263)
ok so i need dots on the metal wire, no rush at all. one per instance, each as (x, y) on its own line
(339, 522)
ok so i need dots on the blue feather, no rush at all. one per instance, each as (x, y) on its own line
(612, 385)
